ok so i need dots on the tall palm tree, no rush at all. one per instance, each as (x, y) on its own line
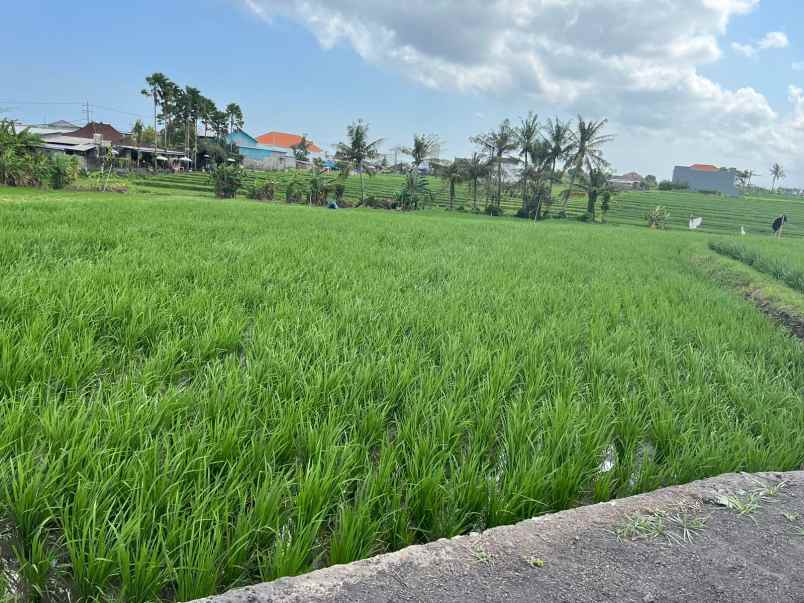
(558, 136)
(156, 83)
(777, 171)
(540, 153)
(498, 144)
(526, 135)
(301, 150)
(358, 149)
(593, 184)
(475, 169)
(587, 152)
(234, 115)
(452, 172)
(207, 112)
(171, 96)
(424, 148)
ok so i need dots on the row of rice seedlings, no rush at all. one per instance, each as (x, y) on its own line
(783, 260)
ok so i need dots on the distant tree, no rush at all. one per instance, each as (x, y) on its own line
(452, 173)
(136, 132)
(526, 136)
(301, 150)
(475, 169)
(593, 184)
(778, 173)
(234, 115)
(586, 152)
(157, 83)
(498, 144)
(358, 149)
(148, 136)
(541, 161)
(320, 184)
(424, 148)
(559, 138)
(650, 181)
(207, 113)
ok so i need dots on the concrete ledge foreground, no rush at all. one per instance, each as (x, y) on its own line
(737, 537)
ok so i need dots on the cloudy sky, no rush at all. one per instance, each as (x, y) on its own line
(681, 81)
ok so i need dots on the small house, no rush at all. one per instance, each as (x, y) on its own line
(704, 177)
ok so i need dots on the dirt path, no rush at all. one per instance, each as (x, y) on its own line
(737, 537)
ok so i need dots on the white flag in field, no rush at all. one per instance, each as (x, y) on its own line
(695, 222)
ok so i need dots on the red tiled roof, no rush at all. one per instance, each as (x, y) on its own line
(704, 167)
(285, 141)
(92, 128)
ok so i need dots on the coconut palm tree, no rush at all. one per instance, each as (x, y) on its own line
(452, 173)
(558, 136)
(777, 171)
(475, 169)
(526, 135)
(301, 150)
(358, 149)
(424, 148)
(498, 144)
(586, 152)
(540, 154)
(593, 184)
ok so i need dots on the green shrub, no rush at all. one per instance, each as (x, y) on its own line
(667, 185)
(493, 210)
(296, 190)
(226, 179)
(658, 217)
(261, 190)
(64, 170)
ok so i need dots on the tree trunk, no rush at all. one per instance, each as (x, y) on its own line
(591, 200)
(474, 194)
(568, 192)
(362, 189)
(525, 183)
(499, 182)
(451, 194)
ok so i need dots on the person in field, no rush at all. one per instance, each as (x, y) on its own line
(778, 225)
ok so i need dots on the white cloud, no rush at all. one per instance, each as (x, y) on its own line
(774, 39)
(744, 49)
(635, 61)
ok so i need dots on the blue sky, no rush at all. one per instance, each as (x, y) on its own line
(702, 82)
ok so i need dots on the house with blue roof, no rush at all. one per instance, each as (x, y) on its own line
(256, 154)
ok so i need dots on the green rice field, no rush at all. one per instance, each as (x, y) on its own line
(779, 258)
(199, 394)
(722, 215)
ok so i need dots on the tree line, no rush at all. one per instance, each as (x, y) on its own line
(180, 110)
(541, 154)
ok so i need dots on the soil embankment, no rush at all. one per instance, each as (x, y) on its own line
(737, 537)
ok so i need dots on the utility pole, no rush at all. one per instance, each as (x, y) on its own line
(87, 111)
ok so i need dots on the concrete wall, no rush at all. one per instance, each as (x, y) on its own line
(722, 182)
(271, 163)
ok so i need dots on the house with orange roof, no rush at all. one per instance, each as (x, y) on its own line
(284, 140)
(704, 177)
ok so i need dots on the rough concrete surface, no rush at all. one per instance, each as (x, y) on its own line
(737, 537)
